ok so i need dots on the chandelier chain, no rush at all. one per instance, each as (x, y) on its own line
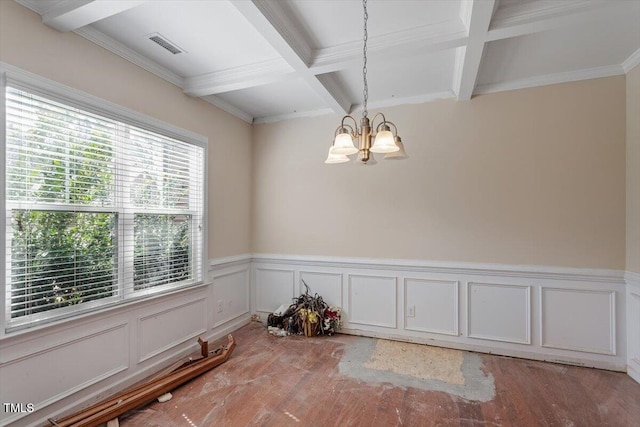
(365, 91)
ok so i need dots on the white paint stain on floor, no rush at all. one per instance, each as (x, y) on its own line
(416, 360)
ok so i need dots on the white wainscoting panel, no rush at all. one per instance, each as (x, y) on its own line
(328, 285)
(230, 295)
(634, 330)
(165, 329)
(70, 364)
(434, 304)
(373, 300)
(633, 325)
(493, 308)
(274, 287)
(578, 319)
(499, 312)
(51, 374)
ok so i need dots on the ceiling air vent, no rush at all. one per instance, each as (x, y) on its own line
(162, 41)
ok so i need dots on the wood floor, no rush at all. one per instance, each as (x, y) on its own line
(270, 381)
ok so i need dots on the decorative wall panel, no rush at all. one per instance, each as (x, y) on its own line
(578, 319)
(431, 306)
(499, 312)
(372, 300)
(273, 288)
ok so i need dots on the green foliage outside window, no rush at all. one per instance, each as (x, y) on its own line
(64, 244)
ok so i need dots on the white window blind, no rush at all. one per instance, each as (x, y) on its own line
(98, 210)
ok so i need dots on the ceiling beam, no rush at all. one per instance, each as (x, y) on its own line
(69, 15)
(271, 21)
(477, 13)
(237, 78)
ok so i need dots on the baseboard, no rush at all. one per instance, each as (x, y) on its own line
(157, 366)
(633, 324)
(633, 373)
(566, 360)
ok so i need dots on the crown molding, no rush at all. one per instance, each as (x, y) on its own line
(631, 62)
(225, 106)
(549, 79)
(237, 78)
(436, 37)
(130, 55)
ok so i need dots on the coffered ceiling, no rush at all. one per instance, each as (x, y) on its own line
(267, 60)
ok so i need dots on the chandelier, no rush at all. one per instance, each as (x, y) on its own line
(384, 141)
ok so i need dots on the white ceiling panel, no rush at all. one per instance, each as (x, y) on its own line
(214, 35)
(607, 38)
(419, 75)
(333, 22)
(290, 98)
(266, 60)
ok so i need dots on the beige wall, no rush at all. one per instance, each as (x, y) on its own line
(633, 170)
(70, 59)
(533, 176)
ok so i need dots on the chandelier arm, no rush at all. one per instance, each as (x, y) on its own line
(354, 129)
(384, 121)
(343, 126)
(387, 122)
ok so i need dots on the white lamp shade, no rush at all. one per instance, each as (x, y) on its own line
(335, 158)
(343, 145)
(384, 143)
(397, 155)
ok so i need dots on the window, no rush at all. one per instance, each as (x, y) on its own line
(99, 210)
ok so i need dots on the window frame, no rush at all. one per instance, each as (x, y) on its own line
(37, 85)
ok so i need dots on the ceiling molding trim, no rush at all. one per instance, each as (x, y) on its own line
(549, 79)
(631, 62)
(225, 106)
(415, 99)
(130, 55)
(280, 21)
(468, 58)
(268, 21)
(535, 17)
(441, 36)
(538, 11)
(331, 92)
(465, 13)
(290, 116)
(68, 15)
(237, 78)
